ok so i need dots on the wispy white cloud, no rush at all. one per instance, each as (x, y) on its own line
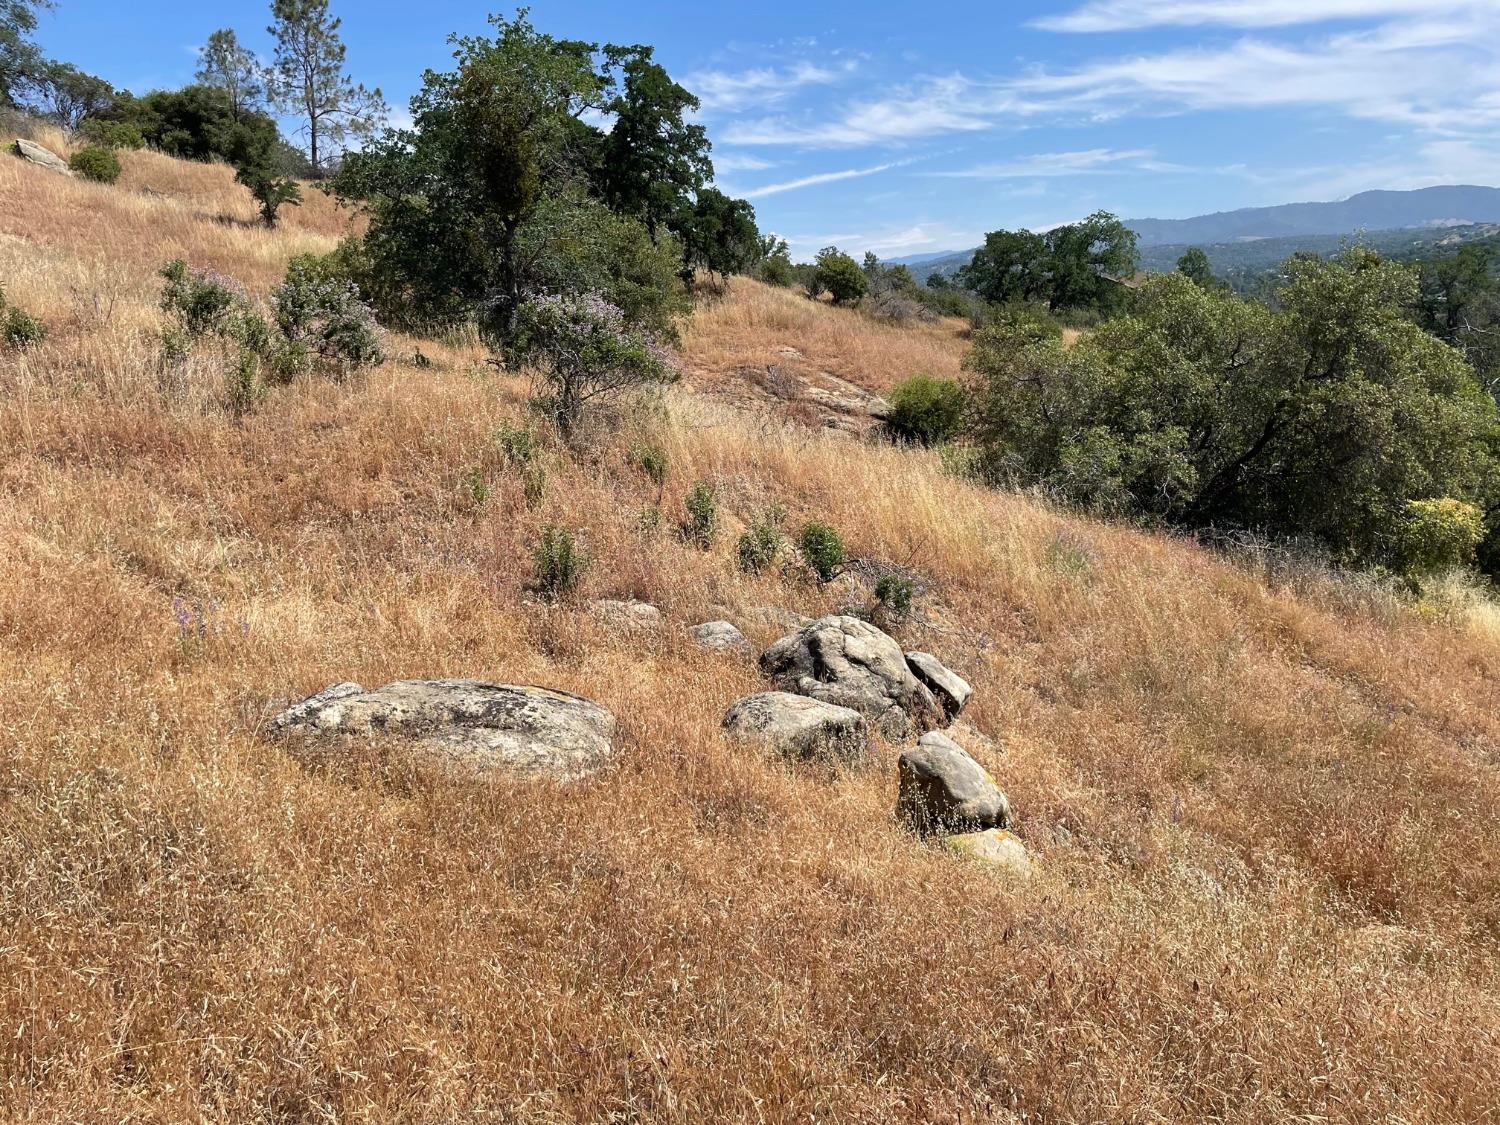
(740, 162)
(889, 242)
(736, 91)
(1055, 164)
(1125, 15)
(821, 178)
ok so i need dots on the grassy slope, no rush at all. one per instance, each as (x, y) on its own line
(1267, 819)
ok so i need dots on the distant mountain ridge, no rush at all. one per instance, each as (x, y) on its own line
(1423, 208)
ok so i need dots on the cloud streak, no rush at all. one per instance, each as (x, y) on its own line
(1130, 15)
(821, 178)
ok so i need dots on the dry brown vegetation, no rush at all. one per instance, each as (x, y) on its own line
(1266, 817)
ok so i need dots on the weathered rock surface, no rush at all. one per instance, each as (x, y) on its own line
(473, 727)
(995, 848)
(721, 636)
(942, 789)
(950, 689)
(799, 727)
(851, 663)
(33, 153)
(627, 614)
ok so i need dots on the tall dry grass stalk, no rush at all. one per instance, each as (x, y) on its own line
(1266, 820)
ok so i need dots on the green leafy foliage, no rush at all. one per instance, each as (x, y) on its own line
(701, 527)
(718, 234)
(1071, 267)
(838, 275)
(98, 164)
(894, 594)
(927, 411)
(823, 550)
(198, 299)
(1320, 421)
(560, 562)
(18, 328)
(112, 134)
(652, 461)
(1438, 535)
(309, 79)
(761, 544)
(67, 95)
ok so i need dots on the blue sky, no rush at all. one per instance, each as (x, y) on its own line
(907, 127)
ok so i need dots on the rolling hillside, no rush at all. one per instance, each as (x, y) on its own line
(1263, 801)
(1256, 238)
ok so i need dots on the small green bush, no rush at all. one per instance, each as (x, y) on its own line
(652, 461)
(823, 550)
(761, 544)
(927, 411)
(895, 592)
(702, 525)
(18, 328)
(1439, 535)
(560, 562)
(477, 486)
(518, 445)
(98, 164)
(839, 276)
(112, 134)
(201, 301)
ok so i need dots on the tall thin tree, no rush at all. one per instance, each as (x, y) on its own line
(224, 63)
(310, 78)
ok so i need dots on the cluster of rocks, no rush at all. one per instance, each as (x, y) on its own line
(839, 678)
(836, 681)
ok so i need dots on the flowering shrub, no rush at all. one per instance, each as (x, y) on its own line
(585, 349)
(319, 311)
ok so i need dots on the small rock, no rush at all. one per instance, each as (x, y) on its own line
(951, 690)
(33, 153)
(628, 614)
(799, 727)
(996, 848)
(721, 636)
(473, 727)
(851, 663)
(942, 789)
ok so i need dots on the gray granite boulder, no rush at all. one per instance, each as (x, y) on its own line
(950, 689)
(942, 789)
(33, 153)
(472, 727)
(798, 727)
(849, 662)
(722, 637)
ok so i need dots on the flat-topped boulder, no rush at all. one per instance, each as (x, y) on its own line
(473, 727)
(798, 727)
(950, 689)
(941, 788)
(848, 662)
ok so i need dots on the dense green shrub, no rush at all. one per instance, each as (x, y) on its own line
(1438, 535)
(1320, 420)
(823, 550)
(98, 164)
(927, 411)
(560, 562)
(838, 275)
(894, 593)
(112, 134)
(701, 527)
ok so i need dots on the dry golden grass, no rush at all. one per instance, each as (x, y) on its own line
(749, 329)
(1266, 819)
